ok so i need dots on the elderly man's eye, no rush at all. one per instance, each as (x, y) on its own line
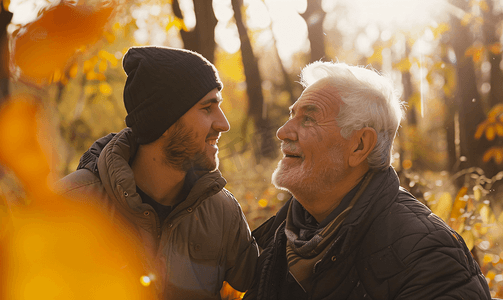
(308, 119)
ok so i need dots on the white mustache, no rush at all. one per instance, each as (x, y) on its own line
(290, 148)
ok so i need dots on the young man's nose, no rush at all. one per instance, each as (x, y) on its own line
(221, 124)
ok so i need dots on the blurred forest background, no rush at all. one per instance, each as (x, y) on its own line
(445, 57)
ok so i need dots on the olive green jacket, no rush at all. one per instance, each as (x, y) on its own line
(203, 242)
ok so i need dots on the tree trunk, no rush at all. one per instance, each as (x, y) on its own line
(450, 125)
(490, 27)
(266, 146)
(314, 16)
(5, 18)
(202, 38)
(467, 97)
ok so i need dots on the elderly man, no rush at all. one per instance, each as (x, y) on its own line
(159, 177)
(350, 231)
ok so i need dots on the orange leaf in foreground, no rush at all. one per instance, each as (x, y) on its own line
(19, 149)
(57, 248)
(46, 45)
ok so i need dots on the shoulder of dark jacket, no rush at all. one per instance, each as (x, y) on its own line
(266, 230)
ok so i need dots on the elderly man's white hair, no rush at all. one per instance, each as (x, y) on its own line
(370, 100)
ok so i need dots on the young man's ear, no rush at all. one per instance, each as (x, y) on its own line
(363, 142)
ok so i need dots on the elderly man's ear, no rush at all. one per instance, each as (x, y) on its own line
(363, 142)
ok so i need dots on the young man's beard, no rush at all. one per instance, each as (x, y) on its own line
(182, 152)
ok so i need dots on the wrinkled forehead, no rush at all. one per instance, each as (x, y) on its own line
(322, 95)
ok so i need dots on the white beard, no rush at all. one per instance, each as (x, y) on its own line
(300, 179)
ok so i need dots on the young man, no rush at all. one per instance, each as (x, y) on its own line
(350, 231)
(159, 177)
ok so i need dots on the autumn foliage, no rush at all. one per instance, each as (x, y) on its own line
(448, 151)
(45, 46)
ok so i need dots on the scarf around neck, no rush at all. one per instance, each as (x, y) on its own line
(308, 242)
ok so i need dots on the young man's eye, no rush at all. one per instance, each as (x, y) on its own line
(207, 108)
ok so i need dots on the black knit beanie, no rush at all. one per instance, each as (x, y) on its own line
(162, 85)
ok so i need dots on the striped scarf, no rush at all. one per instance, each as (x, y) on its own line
(303, 251)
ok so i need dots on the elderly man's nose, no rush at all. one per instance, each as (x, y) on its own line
(287, 132)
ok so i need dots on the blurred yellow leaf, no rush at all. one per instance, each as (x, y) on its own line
(477, 193)
(476, 52)
(102, 67)
(500, 220)
(490, 275)
(109, 57)
(91, 75)
(498, 155)
(403, 65)
(480, 129)
(57, 75)
(88, 66)
(440, 29)
(499, 129)
(495, 48)
(459, 203)
(101, 77)
(483, 5)
(467, 235)
(117, 26)
(105, 89)
(490, 133)
(443, 206)
(470, 206)
(73, 71)
(466, 19)
(484, 214)
(479, 229)
(495, 111)
(376, 57)
(109, 36)
(488, 155)
(176, 22)
(487, 258)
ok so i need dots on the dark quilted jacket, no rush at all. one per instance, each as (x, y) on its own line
(390, 246)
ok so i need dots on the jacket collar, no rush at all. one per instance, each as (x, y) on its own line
(111, 156)
(379, 194)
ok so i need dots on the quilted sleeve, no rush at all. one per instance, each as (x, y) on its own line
(439, 266)
(242, 252)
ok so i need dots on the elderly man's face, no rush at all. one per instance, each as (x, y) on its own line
(314, 151)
